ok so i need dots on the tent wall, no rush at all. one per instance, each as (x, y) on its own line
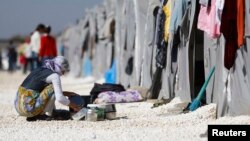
(133, 46)
(233, 98)
(119, 37)
(210, 49)
(148, 47)
(127, 40)
(73, 45)
(140, 20)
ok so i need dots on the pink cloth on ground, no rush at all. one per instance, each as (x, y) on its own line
(119, 97)
(207, 20)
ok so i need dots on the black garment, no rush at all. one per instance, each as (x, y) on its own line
(129, 67)
(12, 58)
(36, 80)
(27, 65)
(159, 32)
(159, 37)
(155, 88)
(1, 65)
(161, 55)
(56, 115)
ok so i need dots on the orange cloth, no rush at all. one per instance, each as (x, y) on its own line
(240, 21)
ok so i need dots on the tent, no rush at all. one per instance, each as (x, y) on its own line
(131, 33)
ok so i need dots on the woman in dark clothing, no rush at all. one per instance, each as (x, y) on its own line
(37, 94)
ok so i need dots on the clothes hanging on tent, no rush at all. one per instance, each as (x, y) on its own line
(160, 21)
(160, 41)
(110, 75)
(207, 20)
(164, 47)
(169, 74)
(167, 12)
(240, 21)
(179, 8)
(160, 57)
(183, 76)
(229, 30)
(87, 67)
(156, 84)
(205, 3)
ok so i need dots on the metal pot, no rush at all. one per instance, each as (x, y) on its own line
(110, 111)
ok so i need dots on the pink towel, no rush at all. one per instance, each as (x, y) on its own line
(207, 20)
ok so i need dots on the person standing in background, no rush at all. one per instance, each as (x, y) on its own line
(35, 44)
(12, 56)
(1, 65)
(26, 53)
(48, 48)
(21, 55)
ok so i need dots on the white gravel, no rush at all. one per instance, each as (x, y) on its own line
(138, 121)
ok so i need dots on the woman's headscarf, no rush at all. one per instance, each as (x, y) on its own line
(58, 64)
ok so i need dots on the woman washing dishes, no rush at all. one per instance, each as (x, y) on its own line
(37, 94)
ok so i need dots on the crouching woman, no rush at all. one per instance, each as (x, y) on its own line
(37, 94)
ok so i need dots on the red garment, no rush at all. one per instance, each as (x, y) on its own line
(48, 46)
(22, 59)
(229, 30)
(240, 21)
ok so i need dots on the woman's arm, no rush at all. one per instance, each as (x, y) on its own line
(61, 96)
(55, 80)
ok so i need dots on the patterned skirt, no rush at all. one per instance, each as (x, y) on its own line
(30, 103)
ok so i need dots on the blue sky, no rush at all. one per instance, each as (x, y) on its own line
(22, 16)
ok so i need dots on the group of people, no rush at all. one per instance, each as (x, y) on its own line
(37, 48)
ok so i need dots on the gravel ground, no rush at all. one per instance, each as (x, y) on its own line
(137, 121)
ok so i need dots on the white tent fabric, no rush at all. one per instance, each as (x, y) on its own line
(247, 18)
(240, 98)
(221, 74)
(118, 37)
(210, 48)
(140, 20)
(100, 20)
(127, 39)
(184, 67)
(146, 71)
(74, 44)
(110, 7)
